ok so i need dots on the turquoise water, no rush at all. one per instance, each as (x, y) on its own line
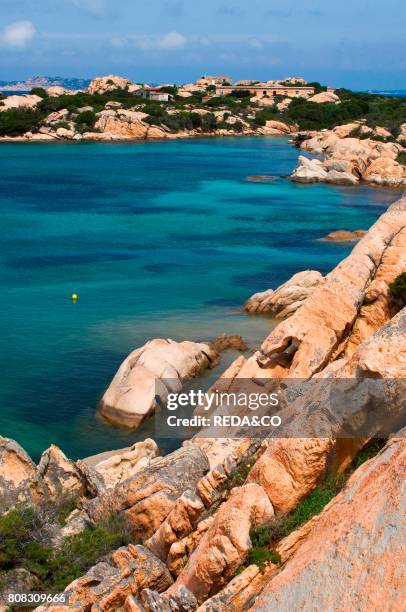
(162, 239)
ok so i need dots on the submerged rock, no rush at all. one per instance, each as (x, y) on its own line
(344, 235)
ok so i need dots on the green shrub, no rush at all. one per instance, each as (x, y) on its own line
(39, 91)
(262, 555)
(21, 546)
(17, 121)
(398, 288)
(85, 121)
(402, 158)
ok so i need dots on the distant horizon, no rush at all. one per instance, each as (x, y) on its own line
(192, 79)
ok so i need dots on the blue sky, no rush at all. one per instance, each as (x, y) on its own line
(354, 43)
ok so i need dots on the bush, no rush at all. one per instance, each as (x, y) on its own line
(39, 91)
(398, 289)
(85, 121)
(21, 546)
(17, 121)
(402, 158)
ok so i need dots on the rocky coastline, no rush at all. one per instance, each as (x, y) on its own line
(215, 525)
(114, 109)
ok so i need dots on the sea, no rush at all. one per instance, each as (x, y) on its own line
(158, 240)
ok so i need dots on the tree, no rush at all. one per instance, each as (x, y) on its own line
(18, 121)
(39, 91)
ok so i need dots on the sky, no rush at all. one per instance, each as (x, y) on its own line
(351, 43)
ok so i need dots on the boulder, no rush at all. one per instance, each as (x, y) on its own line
(23, 101)
(341, 178)
(287, 298)
(325, 96)
(124, 124)
(60, 474)
(147, 497)
(385, 171)
(20, 481)
(152, 371)
(224, 546)
(57, 116)
(56, 91)
(107, 585)
(179, 523)
(278, 128)
(104, 84)
(402, 134)
(309, 171)
(351, 558)
(343, 131)
(117, 466)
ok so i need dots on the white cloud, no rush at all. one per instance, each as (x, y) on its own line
(18, 34)
(172, 40)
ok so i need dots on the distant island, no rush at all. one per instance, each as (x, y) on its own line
(45, 82)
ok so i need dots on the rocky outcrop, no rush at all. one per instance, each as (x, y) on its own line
(117, 466)
(287, 298)
(325, 96)
(314, 335)
(124, 124)
(316, 171)
(344, 235)
(60, 474)
(107, 585)
(152, 371)
(23, 101)
(309, 171)
(349, 160)
(104, 84)
(224, 546)
(55, 90)
(278, 128)
(351, 558)
(147, 498)
(20, 481)
(291, 466)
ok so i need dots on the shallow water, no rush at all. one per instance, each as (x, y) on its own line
(162, 239)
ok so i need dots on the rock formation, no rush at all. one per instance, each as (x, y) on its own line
(23, 101)
(353, 557)
(108, 83)
(124, 125)
(287, 298)
(349, 160)
(152, 371)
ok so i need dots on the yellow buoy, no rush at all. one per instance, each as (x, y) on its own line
(74, 297)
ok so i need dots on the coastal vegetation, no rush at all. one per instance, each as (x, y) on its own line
(265, 537)
(200, 111)
(25, 543)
